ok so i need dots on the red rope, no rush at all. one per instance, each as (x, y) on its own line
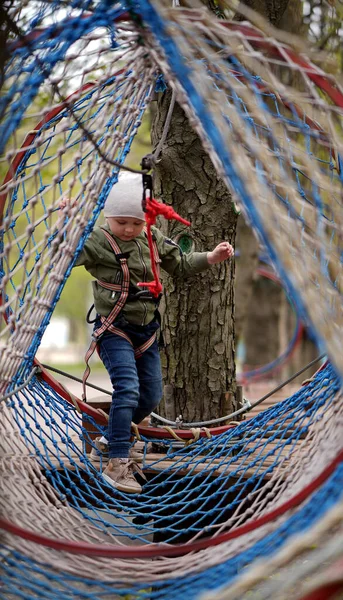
(329, 590)
(155, 549)
(152, 210)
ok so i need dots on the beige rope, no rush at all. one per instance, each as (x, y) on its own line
(135, 429)
(196, 431)
(103, 413)
(72, 398)
(293, 549)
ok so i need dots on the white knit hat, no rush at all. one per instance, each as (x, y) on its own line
(125, 198)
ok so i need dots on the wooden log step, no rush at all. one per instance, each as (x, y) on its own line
(157, 463)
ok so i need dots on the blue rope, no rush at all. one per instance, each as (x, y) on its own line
(56, 40)
(179, 504)
(36, 577)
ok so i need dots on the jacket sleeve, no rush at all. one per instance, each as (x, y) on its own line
(91, 252)
(175, 262)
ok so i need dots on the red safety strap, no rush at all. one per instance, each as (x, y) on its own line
(152, 209)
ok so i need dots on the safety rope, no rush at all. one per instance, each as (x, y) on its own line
(34, 371)
(151, 207)
(179, 423)
(149, 161)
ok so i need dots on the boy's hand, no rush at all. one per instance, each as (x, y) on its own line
(221, 252)
(66, 203)
(63, 203)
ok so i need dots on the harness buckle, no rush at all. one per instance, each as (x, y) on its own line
(95, 338)
(122, 256)
(145, 295)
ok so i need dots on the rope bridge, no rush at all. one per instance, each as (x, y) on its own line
(78, 80)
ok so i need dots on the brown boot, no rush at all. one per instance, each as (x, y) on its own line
(136, 452)
(99, 451)
(120, 474)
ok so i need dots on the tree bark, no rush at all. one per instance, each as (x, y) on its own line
(197, 313)
(262, 325)
(273, 10)
(7, 27)
(246, 264)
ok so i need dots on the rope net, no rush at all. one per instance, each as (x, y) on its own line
(77, 82)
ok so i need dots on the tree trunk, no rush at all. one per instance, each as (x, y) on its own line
(246, 263)
(262, 326)
(197, 313)
(273, 10)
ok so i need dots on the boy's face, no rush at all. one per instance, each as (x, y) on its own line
(125, 228)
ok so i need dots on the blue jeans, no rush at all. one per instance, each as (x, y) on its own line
(137, 383)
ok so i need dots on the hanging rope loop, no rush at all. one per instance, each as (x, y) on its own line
(152, 209)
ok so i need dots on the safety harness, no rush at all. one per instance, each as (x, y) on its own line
(125, 294)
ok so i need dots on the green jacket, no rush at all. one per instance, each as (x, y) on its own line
(98, 258)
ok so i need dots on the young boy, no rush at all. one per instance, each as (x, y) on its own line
(135, 374)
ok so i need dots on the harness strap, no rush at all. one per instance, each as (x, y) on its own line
(88, 355)
(141, 349)
(124, 288)
(115, 287)
(106, 322)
